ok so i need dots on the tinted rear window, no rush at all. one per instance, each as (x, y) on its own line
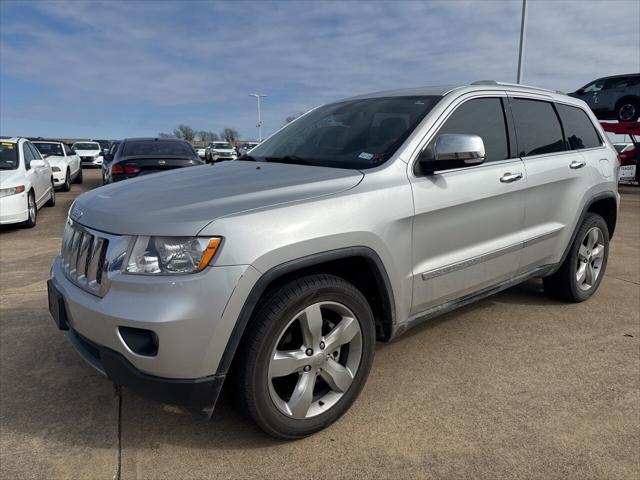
(537, 127)
(483, 117)
(157, 148)
(578, 129)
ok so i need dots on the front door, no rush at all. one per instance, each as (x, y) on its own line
(467, 232)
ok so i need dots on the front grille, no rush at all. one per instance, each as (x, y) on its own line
(84, 257)
(87, 159)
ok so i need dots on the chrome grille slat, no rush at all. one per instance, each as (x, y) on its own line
(84, 257)
(94, 259)
(83, 251)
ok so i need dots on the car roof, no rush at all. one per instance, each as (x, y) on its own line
(140, 139)
(442, 90)
(48, 141)
(11, 139)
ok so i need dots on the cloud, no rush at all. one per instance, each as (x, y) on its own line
(132, 68)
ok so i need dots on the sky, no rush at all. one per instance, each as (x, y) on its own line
(116, 69)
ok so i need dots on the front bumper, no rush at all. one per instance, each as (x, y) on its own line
(185, 313)
(59, 177)
(13, 209)
(199, 394)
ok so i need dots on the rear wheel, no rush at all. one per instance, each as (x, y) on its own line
(32, 211)
(581, 272)
(628, 110)
(307, 355)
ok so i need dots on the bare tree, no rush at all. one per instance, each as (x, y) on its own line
(166, 135)
(207, 136)
(185, 132)
(230, 135)
(291, 118)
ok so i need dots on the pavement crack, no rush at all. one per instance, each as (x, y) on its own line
(118, 473)
(625, 280)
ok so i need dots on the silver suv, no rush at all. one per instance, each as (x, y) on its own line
(353, 223)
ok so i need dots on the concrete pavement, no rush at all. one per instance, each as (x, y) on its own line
(515, 386)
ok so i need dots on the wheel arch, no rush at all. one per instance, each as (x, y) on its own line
(619, 102)
(359, 265)
(604, 204)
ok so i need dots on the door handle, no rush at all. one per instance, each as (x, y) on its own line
(576, 164)
(511, 177)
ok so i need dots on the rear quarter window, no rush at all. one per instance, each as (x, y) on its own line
(538, 128)
(578, 128)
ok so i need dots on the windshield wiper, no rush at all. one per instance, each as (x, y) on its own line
(293, 159)
(248, 158)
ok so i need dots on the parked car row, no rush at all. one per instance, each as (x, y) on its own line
(219, 151)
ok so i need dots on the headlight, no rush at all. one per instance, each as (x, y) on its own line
(55, 169)
(170, 255)
(5, 192)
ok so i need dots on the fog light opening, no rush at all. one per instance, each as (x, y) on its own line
(140, 341)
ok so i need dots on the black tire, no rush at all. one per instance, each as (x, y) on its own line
(628, 110)
(270, 320)
(563, 284)
(79, 177)
(33, 211)
(66, 186)
(52, 199)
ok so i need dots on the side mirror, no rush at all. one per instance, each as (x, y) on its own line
(452, 150)
(36, 164)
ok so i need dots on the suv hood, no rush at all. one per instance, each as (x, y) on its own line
(184, 201)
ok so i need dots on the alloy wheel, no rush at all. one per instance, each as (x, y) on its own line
(315, 360)
(590, 258)
(32, 208)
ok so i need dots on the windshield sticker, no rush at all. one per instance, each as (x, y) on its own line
(366, 156)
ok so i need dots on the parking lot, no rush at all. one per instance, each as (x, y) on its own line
(515, 386)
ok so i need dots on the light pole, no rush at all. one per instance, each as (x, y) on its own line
(258, 97)
(523, 33)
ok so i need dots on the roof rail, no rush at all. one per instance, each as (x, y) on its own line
(505, 84)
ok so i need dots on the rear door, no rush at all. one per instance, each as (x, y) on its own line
(557, 179)
(467, 232)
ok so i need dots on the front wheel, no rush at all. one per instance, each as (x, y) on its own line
(52, 199)
(32, 211)
(66, 186)
(79, 177)
(582, 270)
(307, 355)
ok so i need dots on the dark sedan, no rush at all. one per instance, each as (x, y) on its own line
(141, 156)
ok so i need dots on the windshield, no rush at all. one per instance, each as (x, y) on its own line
(351, 134)
(157, 148)
(221, 145)
(8, 156)
(49, 148)
(85, 146)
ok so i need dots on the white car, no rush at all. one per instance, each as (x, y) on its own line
(25, 182)
(90, 153)
(65, 164)
(218, 151)
(201, 150)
